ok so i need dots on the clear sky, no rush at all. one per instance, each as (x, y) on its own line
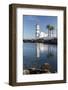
(30, 21)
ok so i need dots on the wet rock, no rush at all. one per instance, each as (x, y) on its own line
(46, 68)
(32, 70)
(26, 72)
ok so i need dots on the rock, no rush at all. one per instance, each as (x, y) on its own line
(26, 72)
(46, 68)
(32, 71)
(47, 71)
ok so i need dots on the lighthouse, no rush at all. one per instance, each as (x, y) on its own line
(37, 31)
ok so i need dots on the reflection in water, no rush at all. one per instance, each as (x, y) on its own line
(39, 58)
(41, 48)
(38, 50)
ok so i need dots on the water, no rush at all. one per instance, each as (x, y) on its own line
(35, 55)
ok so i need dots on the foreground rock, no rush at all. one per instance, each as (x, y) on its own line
(26, 72)
(46, 67)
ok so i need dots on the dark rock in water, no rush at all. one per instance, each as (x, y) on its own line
(26, 72)
(45, 71)
(46, 68)
(33, 71)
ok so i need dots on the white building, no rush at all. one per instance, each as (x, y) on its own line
(40, 34)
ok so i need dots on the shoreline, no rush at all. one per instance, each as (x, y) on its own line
(50, 41)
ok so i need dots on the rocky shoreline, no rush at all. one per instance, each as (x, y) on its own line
(46, 68)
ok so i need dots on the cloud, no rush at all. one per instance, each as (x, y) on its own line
(42, 34)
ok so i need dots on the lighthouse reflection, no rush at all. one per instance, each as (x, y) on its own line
(40, 48)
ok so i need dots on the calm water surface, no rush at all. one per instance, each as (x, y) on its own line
(36, 54)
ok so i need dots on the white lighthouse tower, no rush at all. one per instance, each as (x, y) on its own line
(37, 31)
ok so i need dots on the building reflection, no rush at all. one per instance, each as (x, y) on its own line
(40, 48)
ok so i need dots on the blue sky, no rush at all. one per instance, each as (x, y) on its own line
(30, 21)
